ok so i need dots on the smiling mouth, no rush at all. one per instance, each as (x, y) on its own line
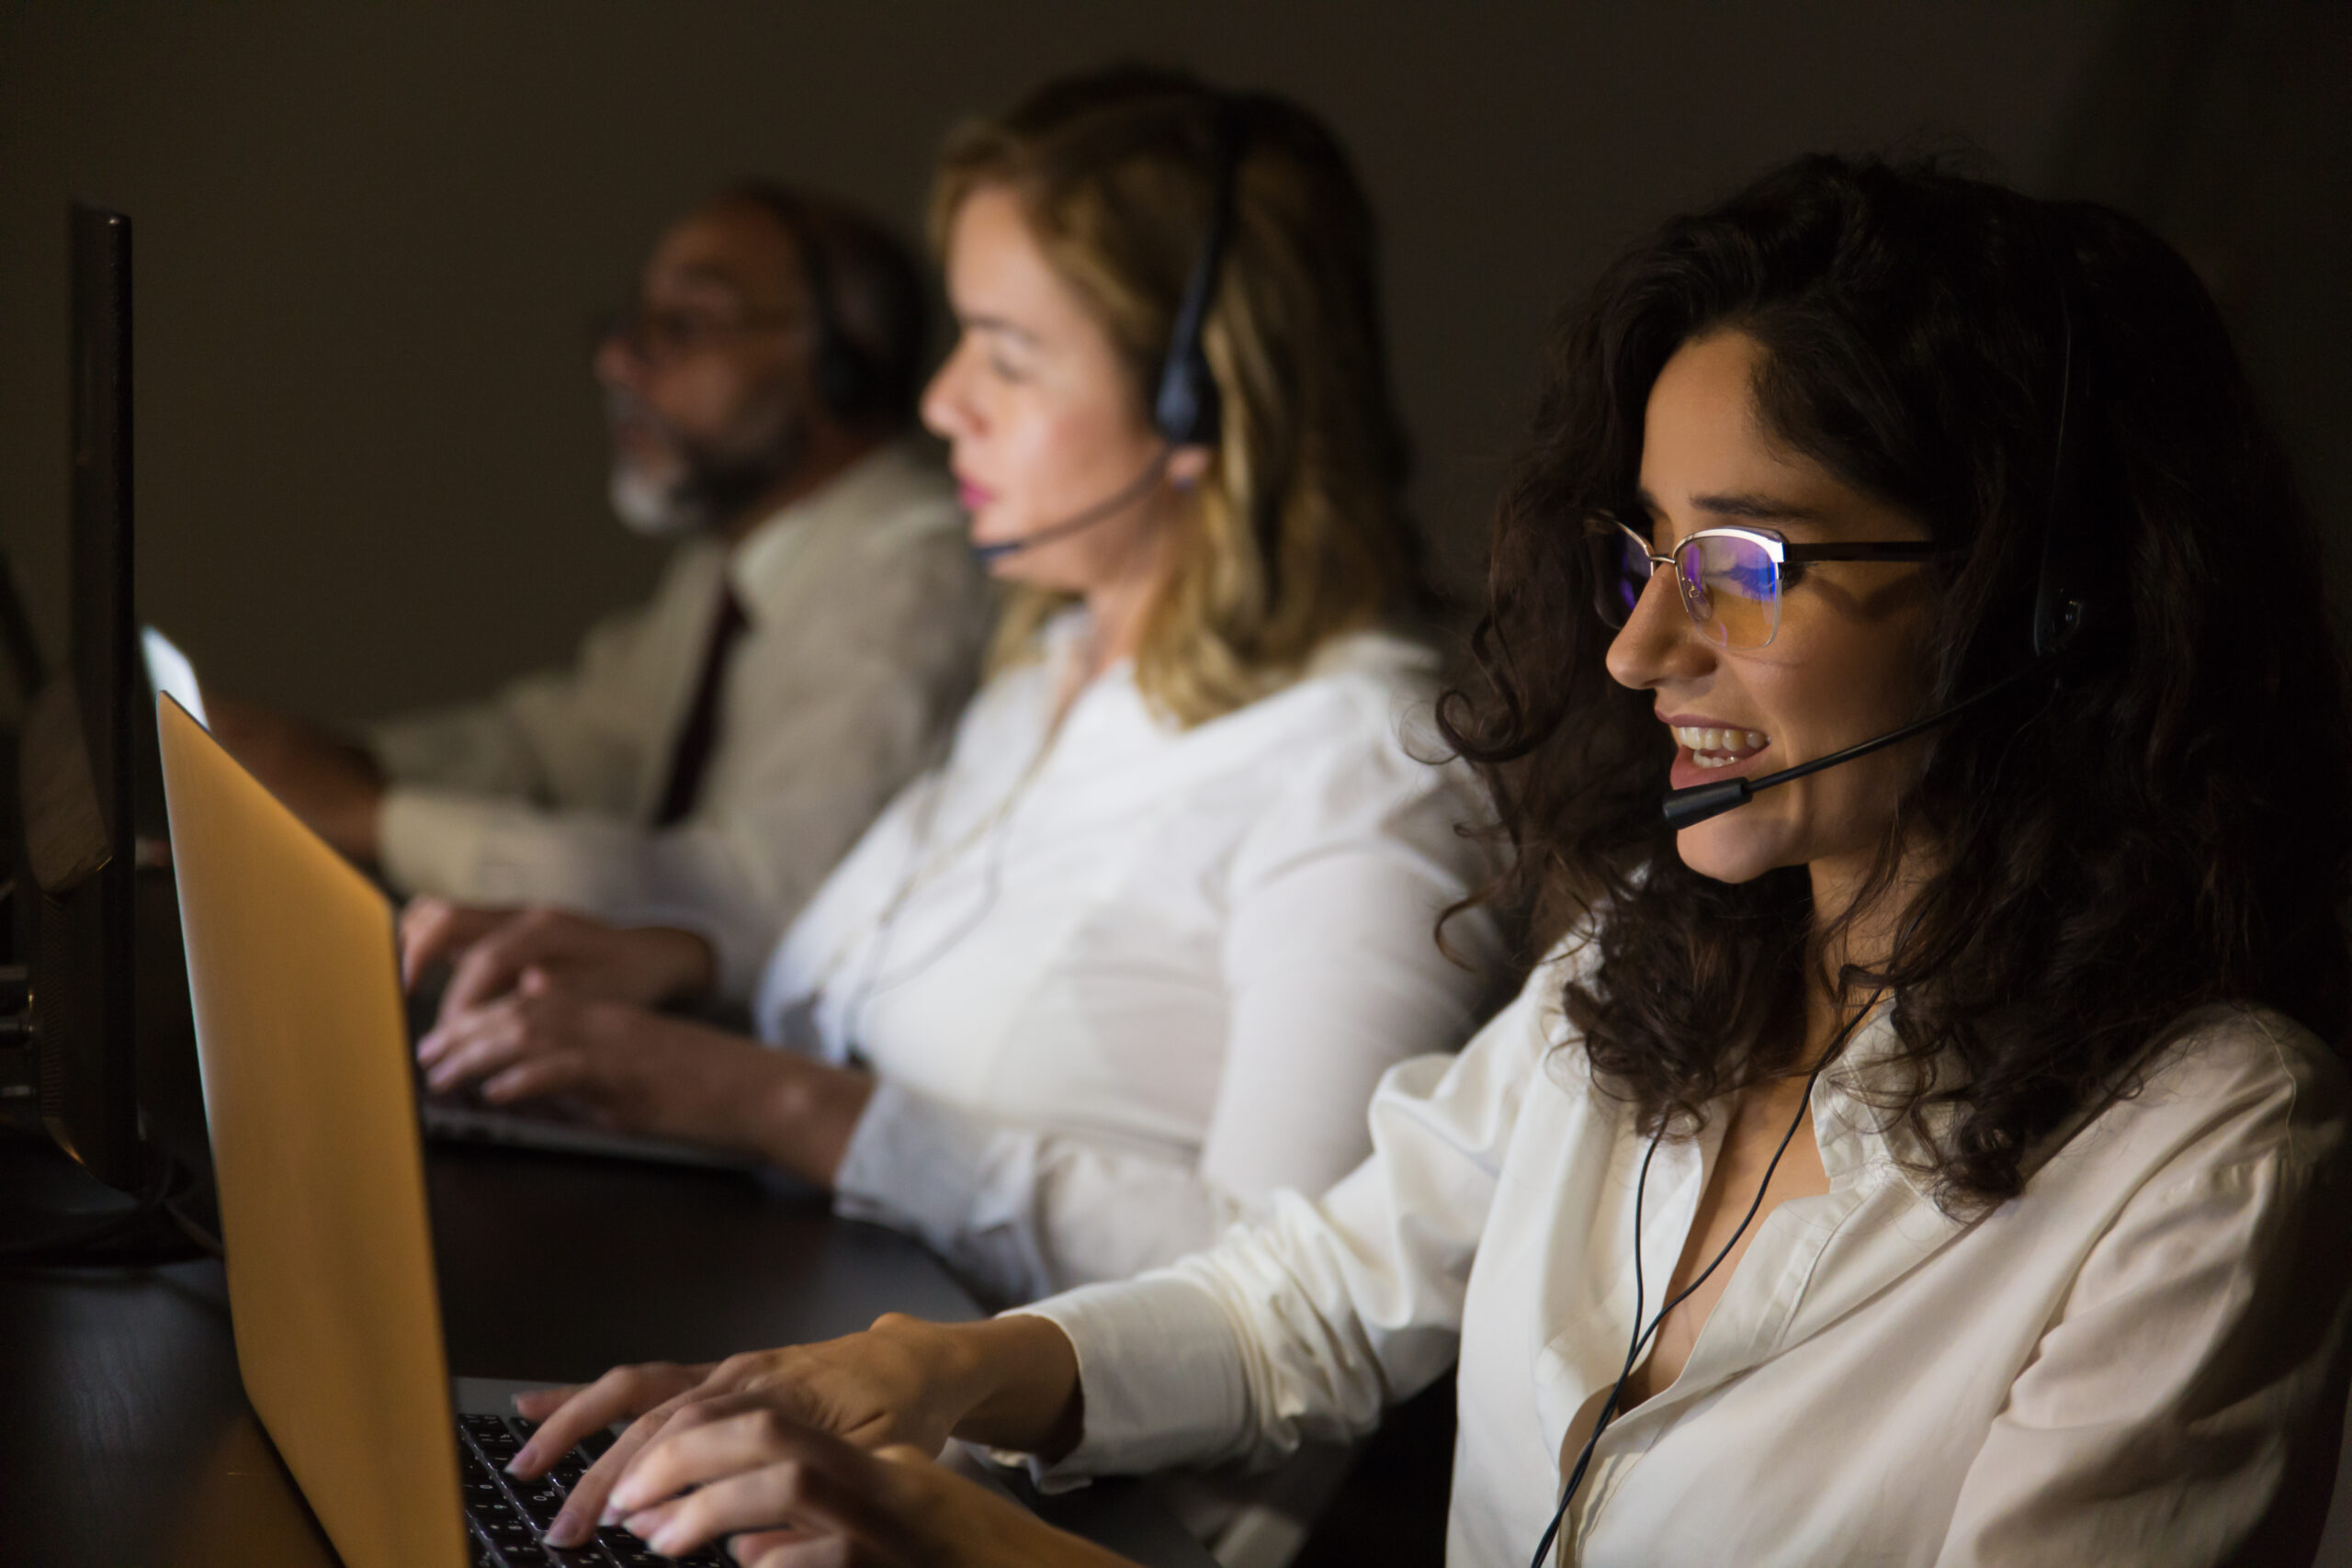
(1720, 748)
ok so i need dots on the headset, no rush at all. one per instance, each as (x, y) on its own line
(1187, 410)
(848, 383)
(2061, 607)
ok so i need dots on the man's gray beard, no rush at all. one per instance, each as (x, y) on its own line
(649, 507)
(708, 493)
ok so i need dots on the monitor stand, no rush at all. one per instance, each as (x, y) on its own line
(54, 1211)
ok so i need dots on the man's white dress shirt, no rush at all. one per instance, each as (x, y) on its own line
(2107, 1369)
(865, 617)
(1119, 978)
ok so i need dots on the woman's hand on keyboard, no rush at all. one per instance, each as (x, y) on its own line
(618, 1067)
(901, 1383)
(489, 949)
(780, 1487)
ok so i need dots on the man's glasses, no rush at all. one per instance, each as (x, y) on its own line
(660, 333)
(1730, 577)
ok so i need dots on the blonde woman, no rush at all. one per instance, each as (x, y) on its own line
(1138, 951)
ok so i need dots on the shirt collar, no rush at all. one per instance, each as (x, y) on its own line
(1397, 661)
(1876, 1224)
(760, 570)
(1063, 639)
(1110, 705)
(1856, 1118)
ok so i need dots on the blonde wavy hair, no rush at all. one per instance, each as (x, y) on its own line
(1299, 532)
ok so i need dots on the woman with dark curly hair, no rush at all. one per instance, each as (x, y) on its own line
(1937, 1158)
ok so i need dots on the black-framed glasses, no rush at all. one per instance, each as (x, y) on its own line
(1730, 577)
(659, 334)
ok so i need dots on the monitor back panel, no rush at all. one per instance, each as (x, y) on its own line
(312, 1105)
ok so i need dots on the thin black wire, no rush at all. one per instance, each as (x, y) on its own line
(1632, 1352)
(1642, 1335)
(205, 1240)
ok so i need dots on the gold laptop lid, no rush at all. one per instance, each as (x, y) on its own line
(312, 1104)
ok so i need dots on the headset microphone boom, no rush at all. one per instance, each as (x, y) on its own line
(2060, 604)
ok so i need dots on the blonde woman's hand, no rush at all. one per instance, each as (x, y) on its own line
(615, 1066)
(489, 948)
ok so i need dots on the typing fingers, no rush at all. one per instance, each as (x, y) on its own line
(657, 1391)
(546, 1074)
(538, 1404)
(789, 1548)
(567, 1414)
(493, 965)
(434, 929)
(475, 1045)
(756, 1469)
(709, 1439)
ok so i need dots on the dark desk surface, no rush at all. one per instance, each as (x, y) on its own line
(558, 1267)
(129, 1440)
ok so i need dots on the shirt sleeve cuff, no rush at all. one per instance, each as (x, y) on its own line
(467, 748)
(735, 963)
(430, 841)
(403, 750)
(914, 1163)
(1161, 1371)
(738, 961)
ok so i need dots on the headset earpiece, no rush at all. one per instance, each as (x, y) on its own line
(844, 384)
(2061, 604)
(1187, 409)
(845, 376)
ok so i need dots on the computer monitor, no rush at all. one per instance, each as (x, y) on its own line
(28, 671)
(76, 753)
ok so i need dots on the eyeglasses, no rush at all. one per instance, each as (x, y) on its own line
(1731, 577)
(660, 335)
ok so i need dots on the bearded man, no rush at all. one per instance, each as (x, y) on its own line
(708, 755)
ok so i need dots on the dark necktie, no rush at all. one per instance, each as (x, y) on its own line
(699, 735)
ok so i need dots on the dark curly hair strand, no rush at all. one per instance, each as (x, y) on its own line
(2161, 824)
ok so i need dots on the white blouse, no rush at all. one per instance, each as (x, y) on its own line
(1119, 979)
(2124, 1364)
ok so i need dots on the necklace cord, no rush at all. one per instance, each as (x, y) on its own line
(993, 831)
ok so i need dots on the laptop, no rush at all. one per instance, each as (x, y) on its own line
(456, 1117)
(312, 1101)
(170, 673)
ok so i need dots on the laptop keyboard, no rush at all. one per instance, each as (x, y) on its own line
(504, 1515)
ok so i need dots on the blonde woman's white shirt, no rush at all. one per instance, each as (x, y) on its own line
(2117, 1366)
(1119, 978)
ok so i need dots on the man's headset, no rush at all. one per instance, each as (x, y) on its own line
(1186, 408)
(848, 383)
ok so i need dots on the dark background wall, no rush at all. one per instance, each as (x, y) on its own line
(370, 462)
